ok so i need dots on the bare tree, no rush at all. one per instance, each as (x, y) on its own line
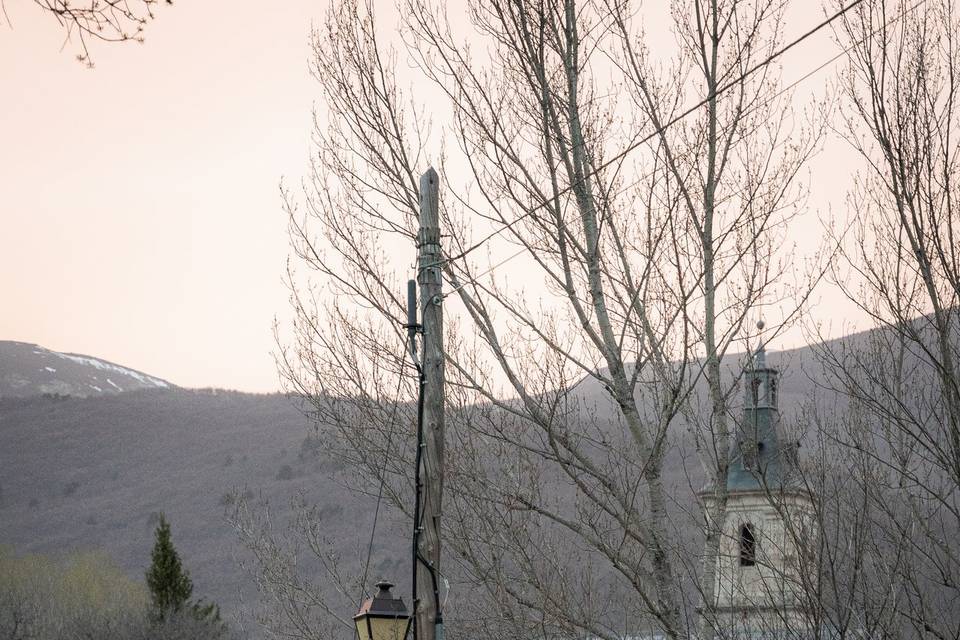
(574, 392)
(297, 605)
(105, 20)
(898, 420)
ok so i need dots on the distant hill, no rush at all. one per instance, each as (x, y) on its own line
(91, 452)
(30, 370)
(94, 473)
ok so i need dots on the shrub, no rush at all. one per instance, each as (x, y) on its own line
(85, 595)
(310, 446)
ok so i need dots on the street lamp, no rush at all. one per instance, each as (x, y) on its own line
(382, 617)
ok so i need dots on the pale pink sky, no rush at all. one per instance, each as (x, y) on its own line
(140, 208)
(141, 217)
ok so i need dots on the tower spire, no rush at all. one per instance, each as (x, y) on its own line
(760, 358)
(756, 459)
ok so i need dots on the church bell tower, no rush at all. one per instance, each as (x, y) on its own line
(768, 516)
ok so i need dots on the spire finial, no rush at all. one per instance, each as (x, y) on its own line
(760, 360)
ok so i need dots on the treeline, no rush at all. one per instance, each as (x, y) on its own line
(85, 596)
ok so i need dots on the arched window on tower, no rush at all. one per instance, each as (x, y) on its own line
(755, 391)
(773, 392)
(748, 546)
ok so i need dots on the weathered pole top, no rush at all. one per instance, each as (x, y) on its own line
(430, 208)
(429, 177)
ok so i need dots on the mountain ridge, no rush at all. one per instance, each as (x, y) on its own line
(93, 470)
(28, 369)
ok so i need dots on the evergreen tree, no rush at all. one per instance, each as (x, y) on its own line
(169, 583)
(170, 591)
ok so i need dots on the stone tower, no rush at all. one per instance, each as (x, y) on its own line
(768, 516)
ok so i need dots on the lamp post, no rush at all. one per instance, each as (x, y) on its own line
(382, 617)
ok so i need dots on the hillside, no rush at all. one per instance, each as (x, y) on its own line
(84, 473)
(94, 472)
(30, 370)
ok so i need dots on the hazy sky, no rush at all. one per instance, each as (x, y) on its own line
(141, 218)
(140, 208)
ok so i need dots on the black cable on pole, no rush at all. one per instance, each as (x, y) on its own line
(413, 327)
(659, 130)
(418, 489)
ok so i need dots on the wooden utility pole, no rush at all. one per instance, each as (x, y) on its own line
(429, 617)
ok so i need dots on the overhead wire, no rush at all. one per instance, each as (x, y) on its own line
(383, 476)
(633, 146)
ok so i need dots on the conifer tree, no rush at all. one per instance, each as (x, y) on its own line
(169, 583)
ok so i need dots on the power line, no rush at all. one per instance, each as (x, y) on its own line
(673, 121)
(383, 474)
(633, 146)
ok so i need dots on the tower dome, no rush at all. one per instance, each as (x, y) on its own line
(760, 457)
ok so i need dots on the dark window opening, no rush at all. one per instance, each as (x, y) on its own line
(773, 393)
(755, 391)
(748, 546)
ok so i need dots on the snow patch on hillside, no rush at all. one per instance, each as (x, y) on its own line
(106, 366)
